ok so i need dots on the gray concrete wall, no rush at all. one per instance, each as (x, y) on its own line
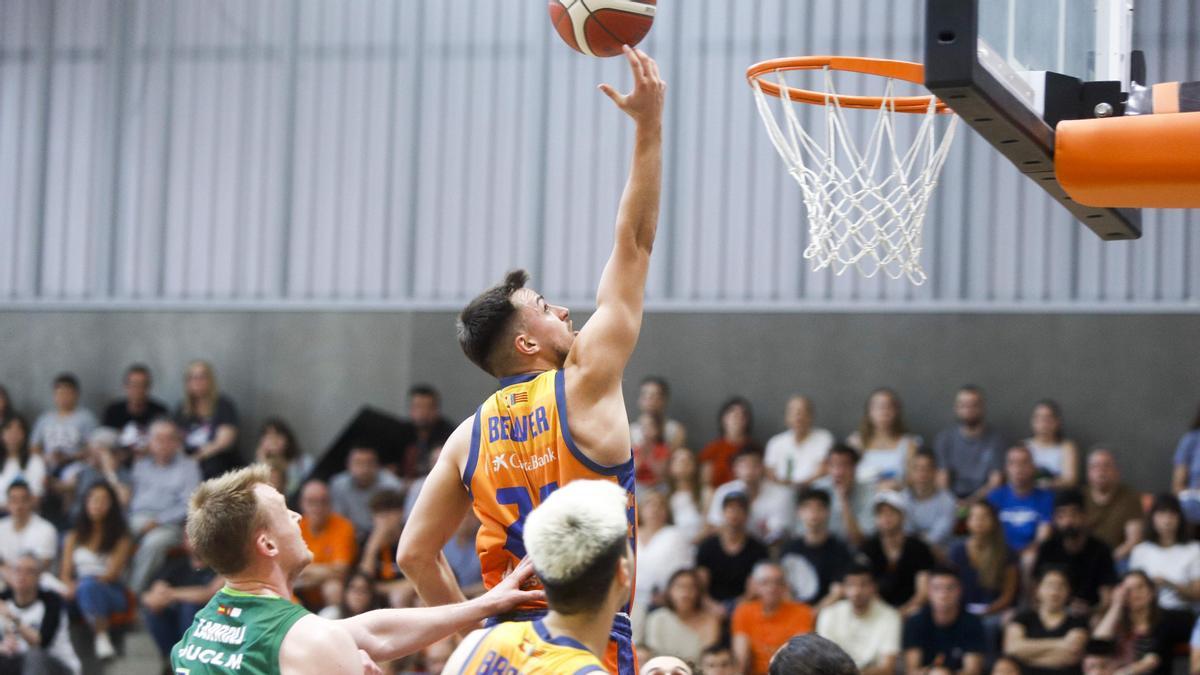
(1125, 379)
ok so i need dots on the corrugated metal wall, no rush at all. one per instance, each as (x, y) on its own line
(405, 153)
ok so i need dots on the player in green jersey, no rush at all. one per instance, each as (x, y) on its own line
(242, 527)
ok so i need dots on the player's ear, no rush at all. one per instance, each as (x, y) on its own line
(526, 344)
(266, 545)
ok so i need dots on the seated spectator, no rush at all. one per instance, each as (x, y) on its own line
(1185, 481)
(970, 454)
(1047, 640)
(942, 635)
(652, 454)
(1112, 509)
(180, 588)
(882, 440)
(209, 421)
(427, 429)
(900, 562)
(378, 557)
(718, 660)
(797, 456)
(132, 415)
(763, 622)
(662, 551)
(687, 494)
(99, 465)
(851, 507)
(1055, 456)
(811, 655)
(736, 422)
(932, 512)
(771, 504)
(816, 560)
(867, 628)
(329, 536)
(727, 558)
(464, 562)
(24, 531)
(358, 597)
(1145, 635)
(58, 436)
(162, 483)
(683, 626)
(36, 635)
(1099, 657)
(986, 566)
(1025, 509)
(353, 488)
(1168, 557)
(1087, 561)
(20, 464)
(94, 556)
(653, 396)
(276, 441)
(1006, 665)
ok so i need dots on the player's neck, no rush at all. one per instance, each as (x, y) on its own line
(592, 630)
(259, 582)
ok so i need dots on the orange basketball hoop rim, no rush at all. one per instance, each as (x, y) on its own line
(906, 71)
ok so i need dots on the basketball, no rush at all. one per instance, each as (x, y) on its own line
(600, 27)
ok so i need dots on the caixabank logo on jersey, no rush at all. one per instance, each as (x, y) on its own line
(516, 461)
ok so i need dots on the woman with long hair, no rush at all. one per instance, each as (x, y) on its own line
(94, 557)
(19, 462)
(685, 625)
(209, 421)
(986, 565)
(882, 439)
(1145, 634)
(1056, 457)
(1046, 639)
(687, 494)
(735, 422)
(359, 596)
(1167, 556)
(277, 442)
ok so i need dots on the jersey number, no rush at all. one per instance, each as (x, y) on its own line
(523, 498)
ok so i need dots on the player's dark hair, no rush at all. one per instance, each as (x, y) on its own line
(811, 654)
(487, 318)
(659, 382)
(586, 590)
(810, 494)
(423, 389)
(66, 380)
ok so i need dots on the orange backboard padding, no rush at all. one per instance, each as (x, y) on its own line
(1143, 161)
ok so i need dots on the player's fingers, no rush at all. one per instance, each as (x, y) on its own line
(654, 71)
(635, 64)
(534, 596)
(612, 93)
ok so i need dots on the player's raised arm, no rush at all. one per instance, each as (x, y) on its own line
(607, 341)
(440, 508)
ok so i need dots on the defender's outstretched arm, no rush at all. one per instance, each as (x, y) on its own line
(607, 341)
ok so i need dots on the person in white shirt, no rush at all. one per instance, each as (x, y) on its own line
(662, 550)
(34, 624)
(687, 494)
(1056, 457)
(1167, 557)
(882, 439)
(862, 624)
(653, 395)
(797, 456)
(25, 532)
(18, 461)
(772, 505)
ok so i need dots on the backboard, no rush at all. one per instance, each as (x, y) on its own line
(1012, 69)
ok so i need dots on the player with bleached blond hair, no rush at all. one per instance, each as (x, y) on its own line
(578, 541)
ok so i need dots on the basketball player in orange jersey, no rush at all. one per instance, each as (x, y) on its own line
(559, 414)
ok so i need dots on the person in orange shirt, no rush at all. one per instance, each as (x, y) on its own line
(716, 459)
(329, 536)
(762, 625)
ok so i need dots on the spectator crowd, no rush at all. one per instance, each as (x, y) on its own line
(971, 553)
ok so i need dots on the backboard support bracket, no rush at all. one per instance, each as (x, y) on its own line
(954, 73)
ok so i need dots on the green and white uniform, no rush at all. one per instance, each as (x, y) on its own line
(236, 633)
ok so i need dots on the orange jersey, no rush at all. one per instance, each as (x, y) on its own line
(528, 649)
(521, 451)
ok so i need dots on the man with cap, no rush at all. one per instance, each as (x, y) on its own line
(1087, 560)
(900, 562)
(727, 558)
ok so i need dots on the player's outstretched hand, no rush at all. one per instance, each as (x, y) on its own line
(645, 103)
(507, 595)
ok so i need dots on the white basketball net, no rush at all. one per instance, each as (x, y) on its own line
(866, 206)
